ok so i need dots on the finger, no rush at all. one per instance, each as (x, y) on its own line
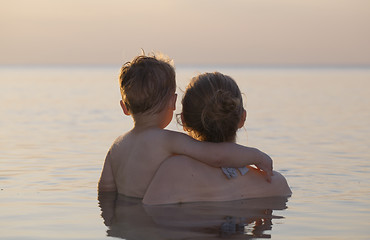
(268, 178)
(267, 175)
(268, 171)
(271, 173)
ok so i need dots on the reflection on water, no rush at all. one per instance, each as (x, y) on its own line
(128, 218)
(56, 125)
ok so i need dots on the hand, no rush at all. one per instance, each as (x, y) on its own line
(265, 165)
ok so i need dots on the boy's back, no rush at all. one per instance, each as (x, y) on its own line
(134, 159)
(147, 87)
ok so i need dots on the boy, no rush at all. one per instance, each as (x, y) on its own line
(148, 94)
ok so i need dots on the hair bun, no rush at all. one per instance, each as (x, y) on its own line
(219, 110)
(220, 105)
(212, 107)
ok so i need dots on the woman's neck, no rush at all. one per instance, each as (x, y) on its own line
(204, 138)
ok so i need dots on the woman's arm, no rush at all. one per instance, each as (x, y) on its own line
(223, 154)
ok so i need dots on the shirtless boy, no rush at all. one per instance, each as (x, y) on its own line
(148, 94)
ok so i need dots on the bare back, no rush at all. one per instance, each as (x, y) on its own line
(182, 179)
(134, 159)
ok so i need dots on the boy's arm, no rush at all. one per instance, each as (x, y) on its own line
(106, 181)
(223, 154)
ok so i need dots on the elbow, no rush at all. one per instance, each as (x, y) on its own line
(281, 186)
(106, 187)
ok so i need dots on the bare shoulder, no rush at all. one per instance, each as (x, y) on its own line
(150, 138)
(119, 143)
(121, 139)
(134, 139)
(176, 178)
(182, 179)
(174, 135)
(153, 136)
(169, 169)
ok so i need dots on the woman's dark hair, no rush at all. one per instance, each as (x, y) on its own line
(212, 107)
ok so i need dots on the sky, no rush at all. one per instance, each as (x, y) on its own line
(191, 32)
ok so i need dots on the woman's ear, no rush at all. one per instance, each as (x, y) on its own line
(242, 119)
(124, 108)
(183, 123)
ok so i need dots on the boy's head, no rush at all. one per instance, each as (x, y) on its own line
(147, 83)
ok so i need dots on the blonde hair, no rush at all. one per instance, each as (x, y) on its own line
(212, 107)
(147, 83)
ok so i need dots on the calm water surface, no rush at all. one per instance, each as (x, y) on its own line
(57, 124)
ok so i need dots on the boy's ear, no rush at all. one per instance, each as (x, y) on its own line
(124, 108)
(173, 101)
(242, 119)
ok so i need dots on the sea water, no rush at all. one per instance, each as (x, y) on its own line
(57, 123)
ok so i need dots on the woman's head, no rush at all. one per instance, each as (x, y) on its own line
(212, 108)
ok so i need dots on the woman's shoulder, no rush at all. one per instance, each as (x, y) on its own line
(180, 179)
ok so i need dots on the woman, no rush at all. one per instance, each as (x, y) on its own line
(212, 111)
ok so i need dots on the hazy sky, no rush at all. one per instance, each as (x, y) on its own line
(282, 32)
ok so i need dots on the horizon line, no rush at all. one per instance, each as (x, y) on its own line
(235, 66)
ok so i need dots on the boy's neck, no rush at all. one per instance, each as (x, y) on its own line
(144, 121)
